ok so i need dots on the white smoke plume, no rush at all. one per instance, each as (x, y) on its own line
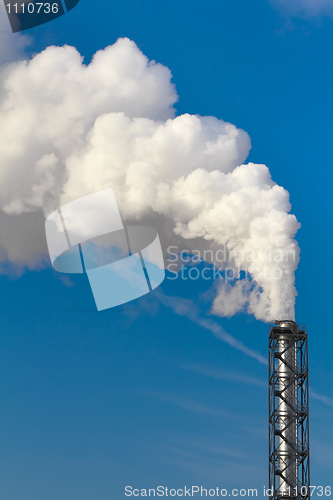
(68, 129)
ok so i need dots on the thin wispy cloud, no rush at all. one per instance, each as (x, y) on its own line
(321, 453)
(307, 8)
(202, 457)
(202, 444)
(217, 470)
(184, 307)
(222, 375)
(321, 397)
(193, 406)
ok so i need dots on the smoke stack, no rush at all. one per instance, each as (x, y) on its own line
(289, 473)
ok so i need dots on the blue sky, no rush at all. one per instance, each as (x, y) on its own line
(138, 395)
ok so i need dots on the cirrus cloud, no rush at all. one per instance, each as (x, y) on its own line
(305, 8)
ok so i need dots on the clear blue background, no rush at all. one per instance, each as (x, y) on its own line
(92, 402)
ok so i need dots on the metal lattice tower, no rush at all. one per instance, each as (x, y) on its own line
(289, 473)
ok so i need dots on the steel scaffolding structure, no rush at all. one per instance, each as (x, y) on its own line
(289, 473)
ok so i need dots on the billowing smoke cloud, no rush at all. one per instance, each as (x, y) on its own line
(67, 129)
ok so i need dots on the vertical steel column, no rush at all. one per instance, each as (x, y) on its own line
(289, 475)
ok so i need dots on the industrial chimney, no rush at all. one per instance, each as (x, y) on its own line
(289, 474)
